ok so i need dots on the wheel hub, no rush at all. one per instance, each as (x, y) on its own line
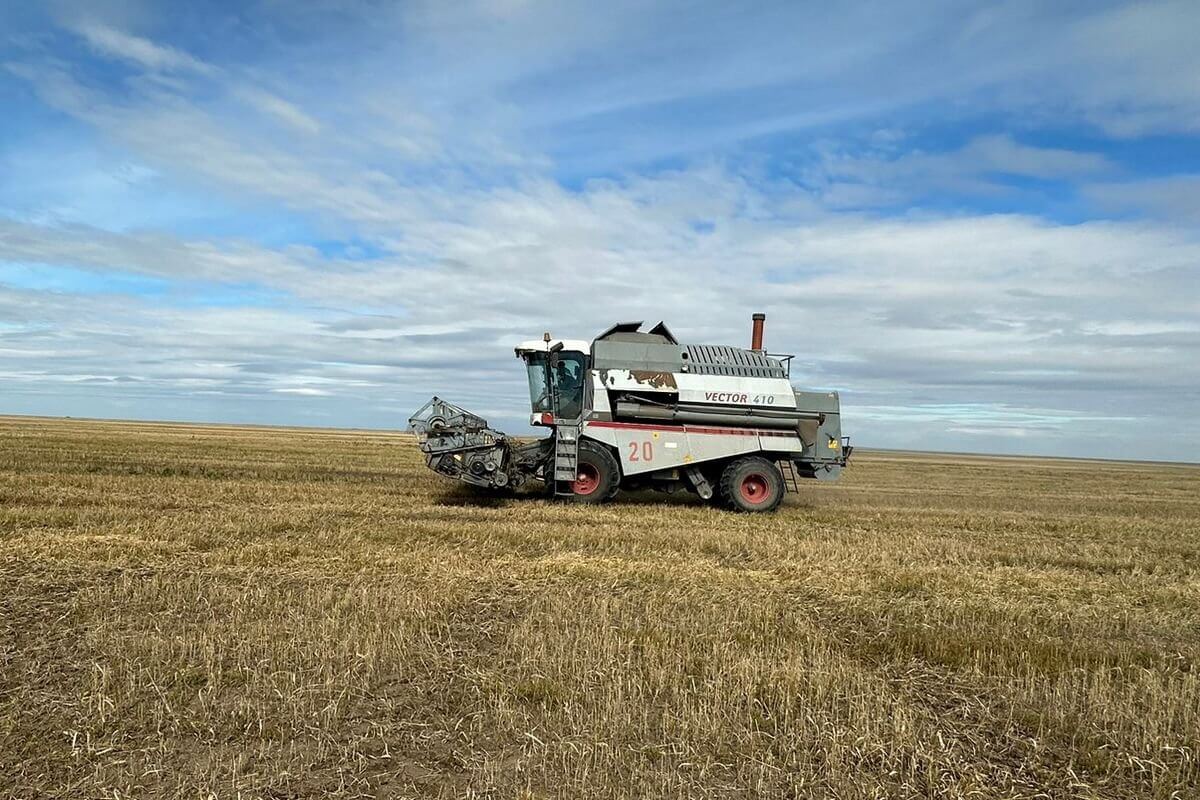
(587, 479)
(755, 488)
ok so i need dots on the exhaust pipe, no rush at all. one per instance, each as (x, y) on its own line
(757, 335)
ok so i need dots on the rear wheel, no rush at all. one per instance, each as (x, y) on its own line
(597, 474)
(752, 484)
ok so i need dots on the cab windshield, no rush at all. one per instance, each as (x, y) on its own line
(539, 386)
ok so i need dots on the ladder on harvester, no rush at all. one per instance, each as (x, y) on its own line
(566, 457)
(789, 476)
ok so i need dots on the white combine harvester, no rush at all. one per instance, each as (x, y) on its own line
(635, 410)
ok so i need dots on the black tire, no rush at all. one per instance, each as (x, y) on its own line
(751, 484)
(599, 474)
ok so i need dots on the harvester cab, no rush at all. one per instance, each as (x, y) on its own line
(636, 409)
(557, 372)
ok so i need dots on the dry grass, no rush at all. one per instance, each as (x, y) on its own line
(216, 612)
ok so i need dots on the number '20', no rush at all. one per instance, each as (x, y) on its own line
(641, 451)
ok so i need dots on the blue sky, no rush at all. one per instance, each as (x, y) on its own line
(980, 222)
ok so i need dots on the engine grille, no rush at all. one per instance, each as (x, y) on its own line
(704, 359)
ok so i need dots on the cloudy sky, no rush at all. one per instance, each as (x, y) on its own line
(981, 224)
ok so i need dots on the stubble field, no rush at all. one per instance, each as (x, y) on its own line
(191, 611)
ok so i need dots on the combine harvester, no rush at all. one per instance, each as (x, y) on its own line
(636, 410)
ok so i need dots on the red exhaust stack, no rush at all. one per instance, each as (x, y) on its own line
(756, 336)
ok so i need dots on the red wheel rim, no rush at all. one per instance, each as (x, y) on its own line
(755, 488)
(587, 479)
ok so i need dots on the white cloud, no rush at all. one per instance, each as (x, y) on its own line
(1000, 154)
(280, 109)
(857, 180)
(114, 43)
(1174, 197)
(307, 391)
(1135, 68)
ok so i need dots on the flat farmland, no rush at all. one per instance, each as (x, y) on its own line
(206, 611)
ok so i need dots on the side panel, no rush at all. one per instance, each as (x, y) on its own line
(718, 390)
(723, 390)
(822, 458)
(648, 448)
(597, 398)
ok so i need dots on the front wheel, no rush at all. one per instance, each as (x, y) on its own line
(752, 484)
(597, 474)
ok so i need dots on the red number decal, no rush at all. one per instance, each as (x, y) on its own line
(641, 451)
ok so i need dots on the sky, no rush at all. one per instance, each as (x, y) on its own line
(979, 222)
